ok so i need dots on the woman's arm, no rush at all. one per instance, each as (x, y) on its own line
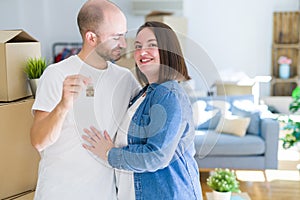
(163, 134)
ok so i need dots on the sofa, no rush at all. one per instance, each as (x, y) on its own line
(249, 141)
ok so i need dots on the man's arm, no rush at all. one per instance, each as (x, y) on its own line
(47, 126)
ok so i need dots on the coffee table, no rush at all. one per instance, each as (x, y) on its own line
(234, 196)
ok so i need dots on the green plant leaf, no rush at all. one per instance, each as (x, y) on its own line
(223, 180)
(294, 105)
(35, 67)
(296, 93)
(293, 137)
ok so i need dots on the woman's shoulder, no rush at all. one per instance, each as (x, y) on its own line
(169, 87)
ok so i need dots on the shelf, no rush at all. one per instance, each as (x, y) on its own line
(283, 88)
(286, 46)
(286, 27)
(290, 80)
(286, 42)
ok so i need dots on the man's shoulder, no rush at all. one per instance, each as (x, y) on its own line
(66, 66)
(119, 68)
(70, 60)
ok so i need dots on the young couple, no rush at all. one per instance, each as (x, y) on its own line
(145, 138)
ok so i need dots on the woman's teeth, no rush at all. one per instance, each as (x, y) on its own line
(145, 60)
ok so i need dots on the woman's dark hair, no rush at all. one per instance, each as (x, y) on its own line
(172, 63)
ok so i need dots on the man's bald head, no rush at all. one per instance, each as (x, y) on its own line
(94, 14)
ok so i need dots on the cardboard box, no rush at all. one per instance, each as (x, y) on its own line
(238, 88)
(26, 196)
(16, 46)
(143, 7)
(19, 160)
(234, 88)
(177, 23)
(127, 62)
(127, 59)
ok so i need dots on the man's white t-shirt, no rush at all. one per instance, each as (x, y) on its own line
(67, 170)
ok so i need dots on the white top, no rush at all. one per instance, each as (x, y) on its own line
(124, 179)
(121, 138)
(67, 170)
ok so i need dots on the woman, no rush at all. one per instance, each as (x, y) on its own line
(160, 146)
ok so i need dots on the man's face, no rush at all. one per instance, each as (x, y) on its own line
(112, 39)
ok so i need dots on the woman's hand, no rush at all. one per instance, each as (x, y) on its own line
(100, 145)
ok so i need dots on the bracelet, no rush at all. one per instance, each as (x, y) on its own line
(107, 152)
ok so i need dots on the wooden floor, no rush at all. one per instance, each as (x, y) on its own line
(265, 190)
(282, 184)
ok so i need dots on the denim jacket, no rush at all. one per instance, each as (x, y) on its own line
(160, 148)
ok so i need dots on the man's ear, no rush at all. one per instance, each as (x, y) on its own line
(91, 38)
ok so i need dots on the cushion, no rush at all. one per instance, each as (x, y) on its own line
(229, 99)
(205, 119)
(213, 118)
(222, 105)
(233, 125)
(247, 108)
(199, 105)
(208, 111)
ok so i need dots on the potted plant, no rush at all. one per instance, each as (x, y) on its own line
(293, 137)
(34, 69)
(223, 182)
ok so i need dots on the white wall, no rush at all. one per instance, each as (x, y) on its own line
(236, 34)
(48, 21)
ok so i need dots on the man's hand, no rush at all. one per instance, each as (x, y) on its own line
(100, 145)
(72, 87)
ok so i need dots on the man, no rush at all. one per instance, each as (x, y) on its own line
(83, 90)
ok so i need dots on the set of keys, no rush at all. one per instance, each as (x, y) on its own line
(90, 90)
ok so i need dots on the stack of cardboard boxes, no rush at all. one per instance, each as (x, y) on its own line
(178, 23)
(19, 160)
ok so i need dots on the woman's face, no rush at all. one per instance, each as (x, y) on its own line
(146, 54)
